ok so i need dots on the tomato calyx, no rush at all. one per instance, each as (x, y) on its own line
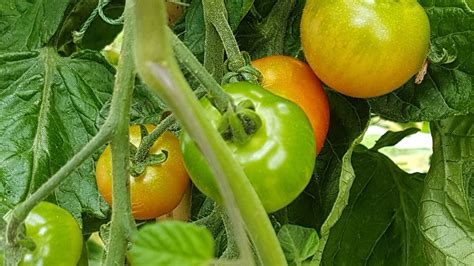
(239, 122)
(137, 168)
(138, 165)
(245, 73)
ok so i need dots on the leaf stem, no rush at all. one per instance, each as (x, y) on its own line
(160, 71)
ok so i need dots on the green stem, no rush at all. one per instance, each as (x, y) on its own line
(218, 97)
(213, 50)
(216, 13)
(122, 225)
(122, 222)
(149, 140)
(160, 71)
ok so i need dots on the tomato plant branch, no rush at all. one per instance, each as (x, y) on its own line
(217, 96)
(122, 224)
(149, 140)
(159, 69)
(213, 50)
(216, 13)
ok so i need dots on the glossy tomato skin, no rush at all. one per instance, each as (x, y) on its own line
(160, 188)
(278, 159)
(56, 234)
(294, 80)
(365, 48)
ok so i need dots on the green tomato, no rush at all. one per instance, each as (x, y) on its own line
(56, 234)
(278, 159)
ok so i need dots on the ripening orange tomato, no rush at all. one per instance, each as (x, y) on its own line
(292, 79)
(159, 189)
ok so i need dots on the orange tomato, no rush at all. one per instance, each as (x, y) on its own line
(294, 80)
(159, 189)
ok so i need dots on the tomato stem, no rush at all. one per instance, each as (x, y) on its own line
(215, 13)
(216, 95)
(122, 224)
(159, 70)
(148, 141)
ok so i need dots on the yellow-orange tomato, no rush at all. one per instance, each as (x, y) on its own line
(364, 48)
(159, 189)
(294, 80)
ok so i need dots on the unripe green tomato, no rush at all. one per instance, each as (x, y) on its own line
(56, 234)
(365, 48)
(278, 159)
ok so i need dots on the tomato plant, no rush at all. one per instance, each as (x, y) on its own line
(56, 234)
(355, 203)
(159, 189)
(365, 48)
(279, 157)
(294, 80)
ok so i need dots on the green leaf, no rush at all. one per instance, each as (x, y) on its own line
(265, 36)
(391, 138)
(48, 108)
(447, 205)
(447, 89)
(236, 10)
(172, 243)
(293, 45)
(100, 33)
(26, 25)
(298, 243)
(379, 223)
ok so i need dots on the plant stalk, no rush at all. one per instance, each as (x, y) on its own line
(122, 224)
(217, 96)
(216, 14)
(160, 71)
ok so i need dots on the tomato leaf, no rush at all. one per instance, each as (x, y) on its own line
(380, 221)
(26, 25)
(49, 109)
(172, 243)
(298, 243)
(447, 204)
(447, 89)
(391, 138)
(272, 28)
